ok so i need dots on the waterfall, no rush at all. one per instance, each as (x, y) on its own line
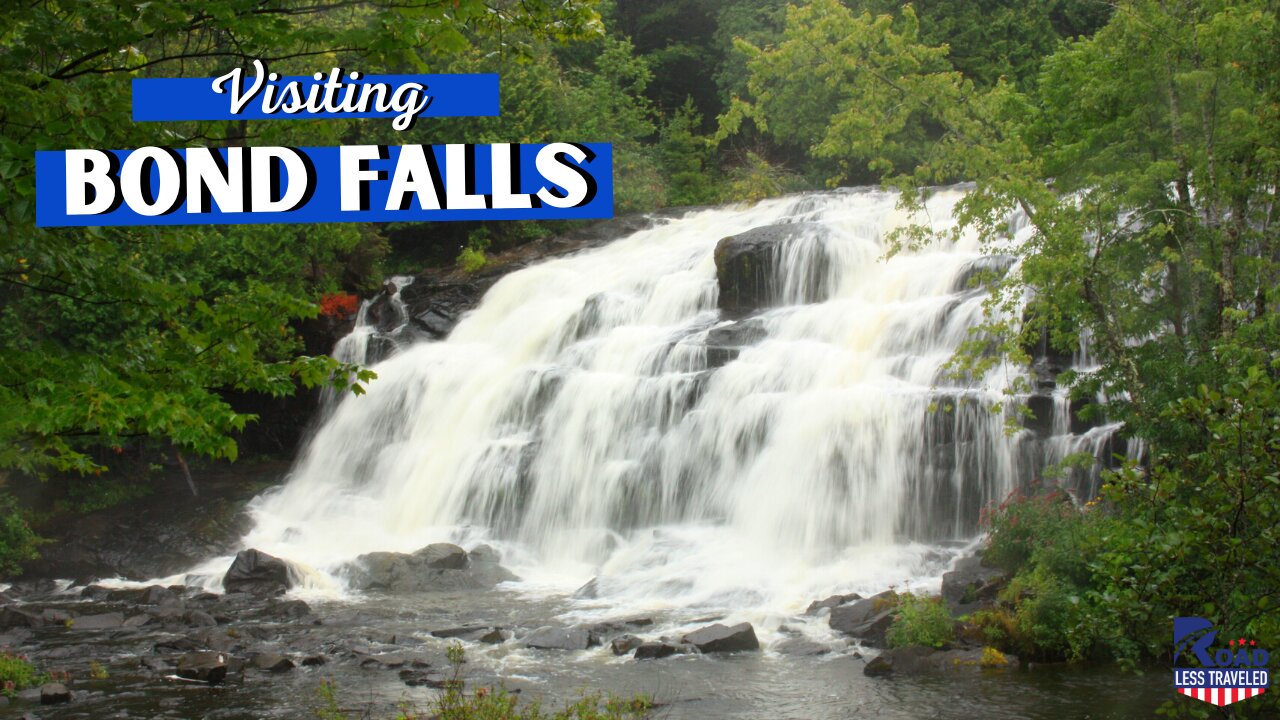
(601, 414)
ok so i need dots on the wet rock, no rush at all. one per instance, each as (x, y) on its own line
(105, 621)
(439, 567)
(137, 621)
(578, 637)
(654, 650)
(590, 590)
(199, 618)
(258, 573)
(1039, 419)
(720, 638)
(474, 633)
(982, 272)
(54, 616)
(385, 661)
(443, 556)
(314, 661)
(12, 616)
(748, 267)
(834, 601)
(288, 609)
(484, 555)
(971, 583)
(95, 592)
(725, 342)
(625, 644)
(915, 660)
(54, 694)
(156, 664)
(867, 620)
(801, 647)
(215, 639)
(209, 667)
(271, 662)
(158, 595)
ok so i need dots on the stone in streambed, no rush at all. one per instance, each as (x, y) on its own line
(866, 620)
(830, 603)
(578, 637)
(721, 638)
(443, 556)
(625, 644)
(209, 667)
(272, 662)
(258, 573)
(54, 694)
(654, 650)
(105, 621)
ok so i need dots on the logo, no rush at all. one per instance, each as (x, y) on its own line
(1216, 672)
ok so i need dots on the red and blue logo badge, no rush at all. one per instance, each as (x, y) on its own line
(1221, 673)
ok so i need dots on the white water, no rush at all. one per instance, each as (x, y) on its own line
(571, 419)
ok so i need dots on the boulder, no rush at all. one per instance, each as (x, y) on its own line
(577, 637)
(199, 618)
(54, 616)
(157, 595)
(12, 616)
(916, 660)
(970, 582)
(625, 644)
(720, 638)
(474, 633)
(287, 610)
(725, 342)
(209, 667)
(271, 662)
(105, 621)
(443, 556)
(436, 567)
(654, 650)
(834, 601)
(54, 694)
(850, 618)
(589, 590)
(748, 267)
(258, 573)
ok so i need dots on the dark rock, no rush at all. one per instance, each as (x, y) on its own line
(54, 694)
(209, 667)
(12, 616)
(850, 618)
(385, 661)
(915, 660)
(801, 646)
(443, 556)
(719, 638)
(983, 272)
(484, 555)
(54, 616)
(95, 592)
(157, 595)
(832, 602)
(971, 582)
(748, 267)
(288, 609)
(578, 637)
(272, 662)
(313, 661)
(215, 639)
(105, 621)
(725, 342)
(654, 650)
(625, 644)
(156, 664)
(1040, 419)
(475, 633)
(199, 618)
(258, 573)
(136, 621)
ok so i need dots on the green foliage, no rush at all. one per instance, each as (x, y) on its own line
(921, 620)
(17, 674)
(17, 541)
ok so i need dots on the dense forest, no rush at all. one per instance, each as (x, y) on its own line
(1140, 139)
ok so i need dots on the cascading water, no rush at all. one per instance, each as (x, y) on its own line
(600, 415)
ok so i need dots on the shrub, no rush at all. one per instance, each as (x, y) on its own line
(17, 674)
(921, 621)
(17, 542)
